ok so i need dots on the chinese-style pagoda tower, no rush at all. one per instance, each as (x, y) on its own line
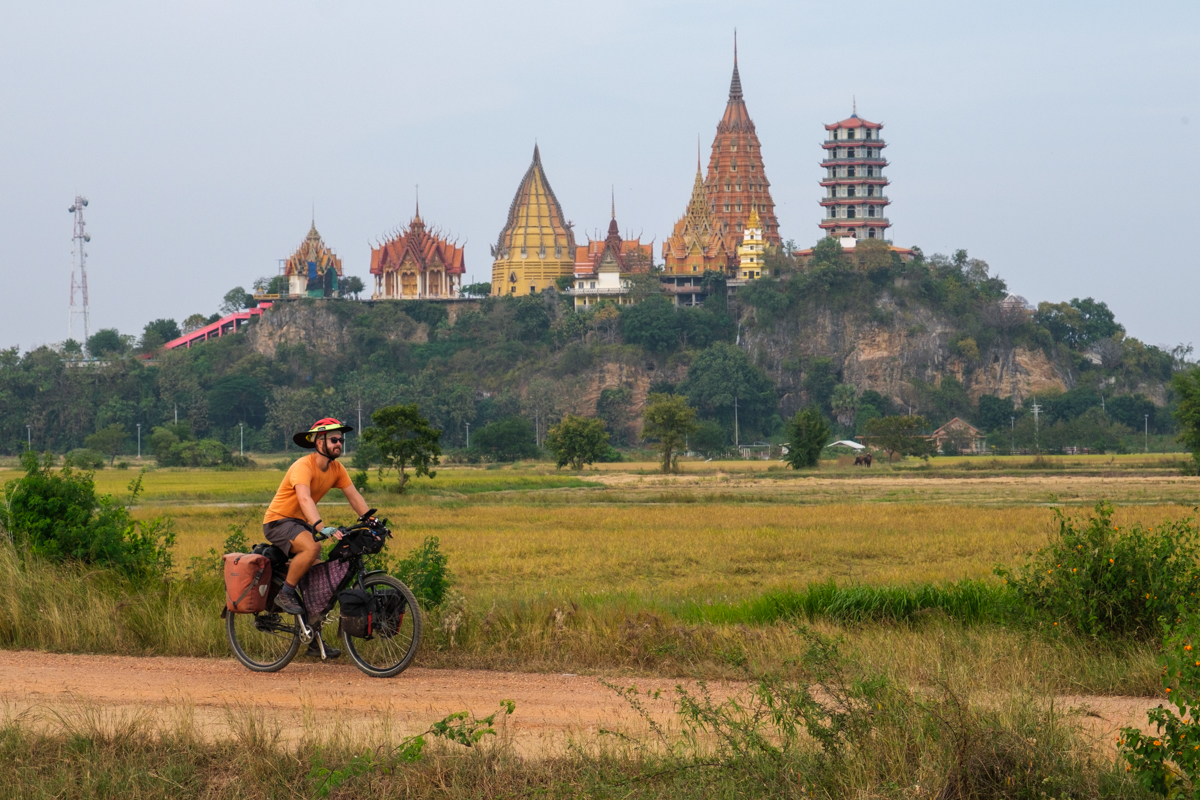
(537, 245)
(417, 264)
(313, 270)
(737, 183)
(855, 205)
(698, 243)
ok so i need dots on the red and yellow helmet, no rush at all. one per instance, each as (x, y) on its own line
(308, 439)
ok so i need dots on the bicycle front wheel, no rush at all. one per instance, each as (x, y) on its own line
(263, 642)
(393, 644)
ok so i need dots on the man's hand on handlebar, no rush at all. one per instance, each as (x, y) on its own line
(330, 531)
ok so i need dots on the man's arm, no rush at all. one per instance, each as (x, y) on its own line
(304, 498)
(356, 500)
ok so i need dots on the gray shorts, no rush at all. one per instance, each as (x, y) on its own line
(281, 532)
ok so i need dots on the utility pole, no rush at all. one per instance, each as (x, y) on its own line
(358, 430)
(177, 413)
(468, 435)
(1147, 447)
(28, 437)
(139, 427)
(241, 439)
(1037, 445)
(736, 438)
(1012, 435)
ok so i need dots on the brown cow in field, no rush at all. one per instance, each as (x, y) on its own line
(864, 460)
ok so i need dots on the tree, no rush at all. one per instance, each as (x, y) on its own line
(158, 333)
(404, 438)
(844, 403)
(722, 375)
(352, 285)
(820, 379)
(477, 289)
(577, 441)
(238, 398)
(670, 420)
(615, 408)
(652, 324)
(808, 434)
(829, 253)
(1132, 410)
(108, 440)
(1187, 387)
(235, 300)
(709, 440)
(194, 323)
(505, 440)
(995, 413)
(107, 342)
(899, 436)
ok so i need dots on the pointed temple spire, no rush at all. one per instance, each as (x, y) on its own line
(417, 216)
(736, 181)
(614, 201)
(537, 245)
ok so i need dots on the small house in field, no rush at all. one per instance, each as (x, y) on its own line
(958, 437)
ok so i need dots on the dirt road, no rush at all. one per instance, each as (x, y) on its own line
(219, 697)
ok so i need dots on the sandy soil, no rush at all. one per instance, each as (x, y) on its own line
(218, 697)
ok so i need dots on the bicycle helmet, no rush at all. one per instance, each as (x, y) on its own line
(308, 439)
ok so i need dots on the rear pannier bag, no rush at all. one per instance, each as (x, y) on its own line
(357, 612)
(389, 612)
(247, 581)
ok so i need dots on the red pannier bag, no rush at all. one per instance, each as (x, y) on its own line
(247, 581)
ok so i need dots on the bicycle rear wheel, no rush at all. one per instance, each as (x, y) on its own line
(388, 653)
(263, 642)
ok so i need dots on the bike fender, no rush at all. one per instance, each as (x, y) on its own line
(374, 572)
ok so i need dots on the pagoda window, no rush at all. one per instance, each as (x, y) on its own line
(850, 172)
(870, 211)
(867, 134)
(870, 172)
(849, 191)
(739, 206)
(870, 190)
(739, 186)
(733, 166)
(850, 213)
(871, 233)
(849, 134)
(727, 207)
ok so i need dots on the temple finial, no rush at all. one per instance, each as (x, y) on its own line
(735, 47)
(854, 105)
(735, 86)
(697, 154)
(537, 156)
(418, 193)
(614, 201)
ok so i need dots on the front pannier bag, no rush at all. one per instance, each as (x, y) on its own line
(247, 580)
(389, 612)
(357, 612)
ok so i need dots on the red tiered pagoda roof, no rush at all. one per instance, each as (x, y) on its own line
(627, 255)
(420, 248)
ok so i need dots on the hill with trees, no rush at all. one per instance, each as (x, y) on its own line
(858, 334)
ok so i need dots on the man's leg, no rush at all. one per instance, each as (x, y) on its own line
(305, 552)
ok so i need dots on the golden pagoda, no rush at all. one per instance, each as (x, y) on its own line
(537, 245)
(313, 270)
(750, 251)
(737, 183)
(697, 244)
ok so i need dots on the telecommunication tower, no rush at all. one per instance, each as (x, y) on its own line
(79, 272)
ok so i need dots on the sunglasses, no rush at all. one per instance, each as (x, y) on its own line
(335, 439)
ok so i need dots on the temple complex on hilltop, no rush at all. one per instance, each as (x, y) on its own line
(697, 245)
(417, 264)
(751, 250)
(313, 270)
(604, 267)
(854, 201)
(737, 183)
(537, 245)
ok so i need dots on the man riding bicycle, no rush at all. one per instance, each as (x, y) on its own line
(292, 516)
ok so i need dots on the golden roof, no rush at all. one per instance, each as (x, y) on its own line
(313, 250)
(536, 226)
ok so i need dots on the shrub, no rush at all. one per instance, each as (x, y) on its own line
(84, 458)
(425, 572)
(1100, 579)
(1167, 762)
(202, 453)
(807, 435)
(59, 517)
(577, 441)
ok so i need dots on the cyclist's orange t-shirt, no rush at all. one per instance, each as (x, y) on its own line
(305, 472)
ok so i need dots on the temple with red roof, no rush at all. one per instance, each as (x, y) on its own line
(604, 267)
(417, 264)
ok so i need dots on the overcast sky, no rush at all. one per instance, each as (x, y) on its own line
(1056, 141)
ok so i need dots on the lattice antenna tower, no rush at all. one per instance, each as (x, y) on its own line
(79, 290)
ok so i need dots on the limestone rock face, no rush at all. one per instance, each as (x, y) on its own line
(318, 327)
(887, 348)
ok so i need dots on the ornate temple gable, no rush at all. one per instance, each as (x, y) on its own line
(613, 254)
(697, 243)
(736, 179)
(312, 251)
(428, 264)
(536, 245)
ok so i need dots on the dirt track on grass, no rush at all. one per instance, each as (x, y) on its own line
(219, 697)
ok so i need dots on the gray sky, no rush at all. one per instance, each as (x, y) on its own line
(1057, 141)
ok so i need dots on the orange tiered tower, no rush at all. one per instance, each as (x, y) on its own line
(736, 181)
(417, 264)
(698, 243)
